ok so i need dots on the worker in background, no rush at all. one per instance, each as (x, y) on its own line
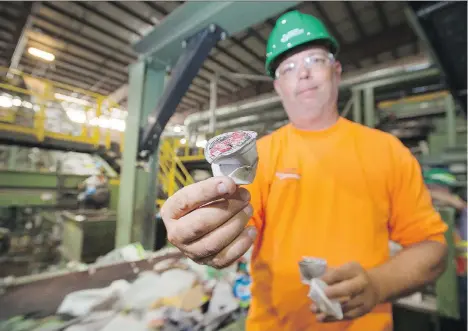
(95, 191)
(325, 187)
(441, 183)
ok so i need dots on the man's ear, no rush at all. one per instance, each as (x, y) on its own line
(277, 86)
(338, 71)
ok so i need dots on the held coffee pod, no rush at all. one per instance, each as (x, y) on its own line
(233, 154)
(324, 304)
(311, 267)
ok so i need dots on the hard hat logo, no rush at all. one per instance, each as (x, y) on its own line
(291, 34)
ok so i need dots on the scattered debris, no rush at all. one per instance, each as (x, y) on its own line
(173, 295)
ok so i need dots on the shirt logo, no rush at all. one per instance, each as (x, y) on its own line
(288, 174)
(290, 34)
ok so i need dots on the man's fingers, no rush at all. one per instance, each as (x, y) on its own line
(352, 305)
(195, 195)
(206, 219)
(324, 318)
(235, 249)
(212, 243)
(314, 308)
(345, 289)
(344, 272)
(353, 313)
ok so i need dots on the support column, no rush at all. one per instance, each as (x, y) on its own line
(12, 155)
(137, 193)
(357, 109)
(451, 121)
(369, 109)
(213, 104)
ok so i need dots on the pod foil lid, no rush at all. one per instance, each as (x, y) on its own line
(228, 144)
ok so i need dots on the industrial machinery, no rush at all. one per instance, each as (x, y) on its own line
(38, 193)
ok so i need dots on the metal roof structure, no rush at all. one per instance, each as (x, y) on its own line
(92, 43)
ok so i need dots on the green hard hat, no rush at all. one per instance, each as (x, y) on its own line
(293, 29)
(439, 176)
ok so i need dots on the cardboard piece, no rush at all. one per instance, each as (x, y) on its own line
(187, 300)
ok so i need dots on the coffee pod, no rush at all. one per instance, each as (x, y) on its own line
(311, 267)
(324, 304)
(233, 154)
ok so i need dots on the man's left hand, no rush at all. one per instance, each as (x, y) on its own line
(353, 287)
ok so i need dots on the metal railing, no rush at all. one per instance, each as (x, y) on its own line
(173, 174)
(44, 109)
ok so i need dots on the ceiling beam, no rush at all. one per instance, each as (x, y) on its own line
(330, 26)
(356, 22)
(60, 78)
(63, 61)
(53, 7)
(384, 41)
(98, 12)
(85, 46)
(129, 11)
(57, 65)
(67, 55)
(104, 87)
(383, 20)
(257, 36)
(222, 65)
(244, 64)
(22, 23)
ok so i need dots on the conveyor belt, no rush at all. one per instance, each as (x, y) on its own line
(30, 140)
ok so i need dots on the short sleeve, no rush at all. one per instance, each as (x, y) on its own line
(259, 192)
(413, 217)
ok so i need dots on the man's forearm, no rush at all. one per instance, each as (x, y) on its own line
(408, 271)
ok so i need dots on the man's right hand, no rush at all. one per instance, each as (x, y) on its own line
(207, 221)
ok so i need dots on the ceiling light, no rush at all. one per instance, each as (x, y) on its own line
(27, 104)
(17, 102)
(201, 143)
(177, 129)
(76, 115)
(183, 141)
(71, 99)
(41, 54)
(5, 102)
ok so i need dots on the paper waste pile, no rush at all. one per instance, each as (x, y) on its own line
(177, 295)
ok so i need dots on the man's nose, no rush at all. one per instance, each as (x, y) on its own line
(304, 72)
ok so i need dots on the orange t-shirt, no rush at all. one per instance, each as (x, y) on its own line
(339, 194)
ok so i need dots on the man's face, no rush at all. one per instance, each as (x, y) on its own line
(307, 83)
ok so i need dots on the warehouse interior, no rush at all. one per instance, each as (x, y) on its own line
(129, 92)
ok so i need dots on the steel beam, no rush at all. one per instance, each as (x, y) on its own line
(357, 109)
(369, 107)
(163, 42)
(451, 118)
(402, 77)
(135, 219)
(197, 49)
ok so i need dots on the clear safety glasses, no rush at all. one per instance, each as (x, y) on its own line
(314, 61)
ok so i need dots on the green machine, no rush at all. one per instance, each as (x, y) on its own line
(42, 223)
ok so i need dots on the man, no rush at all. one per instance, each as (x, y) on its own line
(95, 191)
(325, 187)
(441, 183)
